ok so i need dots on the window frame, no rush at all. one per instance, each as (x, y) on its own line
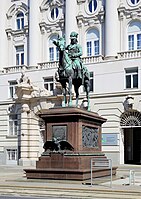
(49, 83)
(10, 154)
(20, 60)
(134, 41)
(135, 3)
(92, 39)
(53, 52)
(20, 21)
(54, 13)
(13, 125)
(92, 4)
(12, 87)
(131, 77)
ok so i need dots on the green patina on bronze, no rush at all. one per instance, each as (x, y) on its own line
(71, 68)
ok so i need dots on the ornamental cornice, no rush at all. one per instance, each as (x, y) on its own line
(81, 1)
(16, 33)
(133, 13)
(44, 27)
(47, 4)
(16, 8)
(98, 18)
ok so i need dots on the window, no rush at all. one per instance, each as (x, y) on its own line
(53, 50)
(13, 125)
(12, 85)
(12, 154)
(20, 21)
(92, 6)
(134, 1)
(134, 36)
(91, 82)
(49, 83)
(19, 55)
(131, 78)
(54, 13)
(92, 44)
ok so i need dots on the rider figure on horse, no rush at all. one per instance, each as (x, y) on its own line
(75, 53)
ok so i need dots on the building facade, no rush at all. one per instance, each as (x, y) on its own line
(110, 35)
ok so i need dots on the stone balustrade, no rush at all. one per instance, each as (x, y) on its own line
(86, 60)
(129, 54)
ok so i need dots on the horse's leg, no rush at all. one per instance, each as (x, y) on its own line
(87, 89)
(70, 91)
(77, 94)
(64, 95)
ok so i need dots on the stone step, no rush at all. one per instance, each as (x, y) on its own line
(124, 170)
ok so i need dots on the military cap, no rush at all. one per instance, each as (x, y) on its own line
(73, 35)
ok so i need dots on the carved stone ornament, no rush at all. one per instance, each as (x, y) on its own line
(49, 3)
(89, 137)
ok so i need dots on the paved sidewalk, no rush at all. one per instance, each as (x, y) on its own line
(13, 181)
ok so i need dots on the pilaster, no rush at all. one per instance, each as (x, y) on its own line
(70, 18)
(111, 29)
(3, 38)
(34, 32)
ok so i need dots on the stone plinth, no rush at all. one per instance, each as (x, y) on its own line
(82, 129)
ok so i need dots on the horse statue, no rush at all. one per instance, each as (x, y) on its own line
(68, 74)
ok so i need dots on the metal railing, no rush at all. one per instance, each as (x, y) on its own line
(101, 164)
(131, 177)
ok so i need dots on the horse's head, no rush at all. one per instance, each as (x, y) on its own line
(60, 43)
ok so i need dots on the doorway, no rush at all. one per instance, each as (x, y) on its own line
(132, 145)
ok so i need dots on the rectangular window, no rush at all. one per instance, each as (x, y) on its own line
(13, 125)
(12, 154)
(12, 85)
(131, 78)
(96, 47)
(89, 48)
(131, 42)
(19, 55)
(49, 83)
(138, 41)
(51, 54)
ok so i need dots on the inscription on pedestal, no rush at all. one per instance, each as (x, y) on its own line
(89, 137)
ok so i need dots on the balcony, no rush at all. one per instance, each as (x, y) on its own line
(129, 54)
(86, 60)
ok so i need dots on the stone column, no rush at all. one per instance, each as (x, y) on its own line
(34, 32)
(111, 28)
(3, 37)
(70, 18)
(24, 141)
(121, 146)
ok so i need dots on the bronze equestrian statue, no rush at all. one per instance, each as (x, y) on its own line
(71, 69)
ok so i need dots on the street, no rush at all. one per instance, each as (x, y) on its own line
(23, 197)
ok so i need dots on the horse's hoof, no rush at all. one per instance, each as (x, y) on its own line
(63, 104)
(70, 104)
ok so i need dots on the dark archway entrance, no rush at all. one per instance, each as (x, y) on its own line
(131, 124)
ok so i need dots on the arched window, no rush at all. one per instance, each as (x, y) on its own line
(53, 51)
(134, 36)
(92, 5)
(92, 42)
(20, 20)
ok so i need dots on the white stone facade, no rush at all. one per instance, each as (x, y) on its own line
(110, 35)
